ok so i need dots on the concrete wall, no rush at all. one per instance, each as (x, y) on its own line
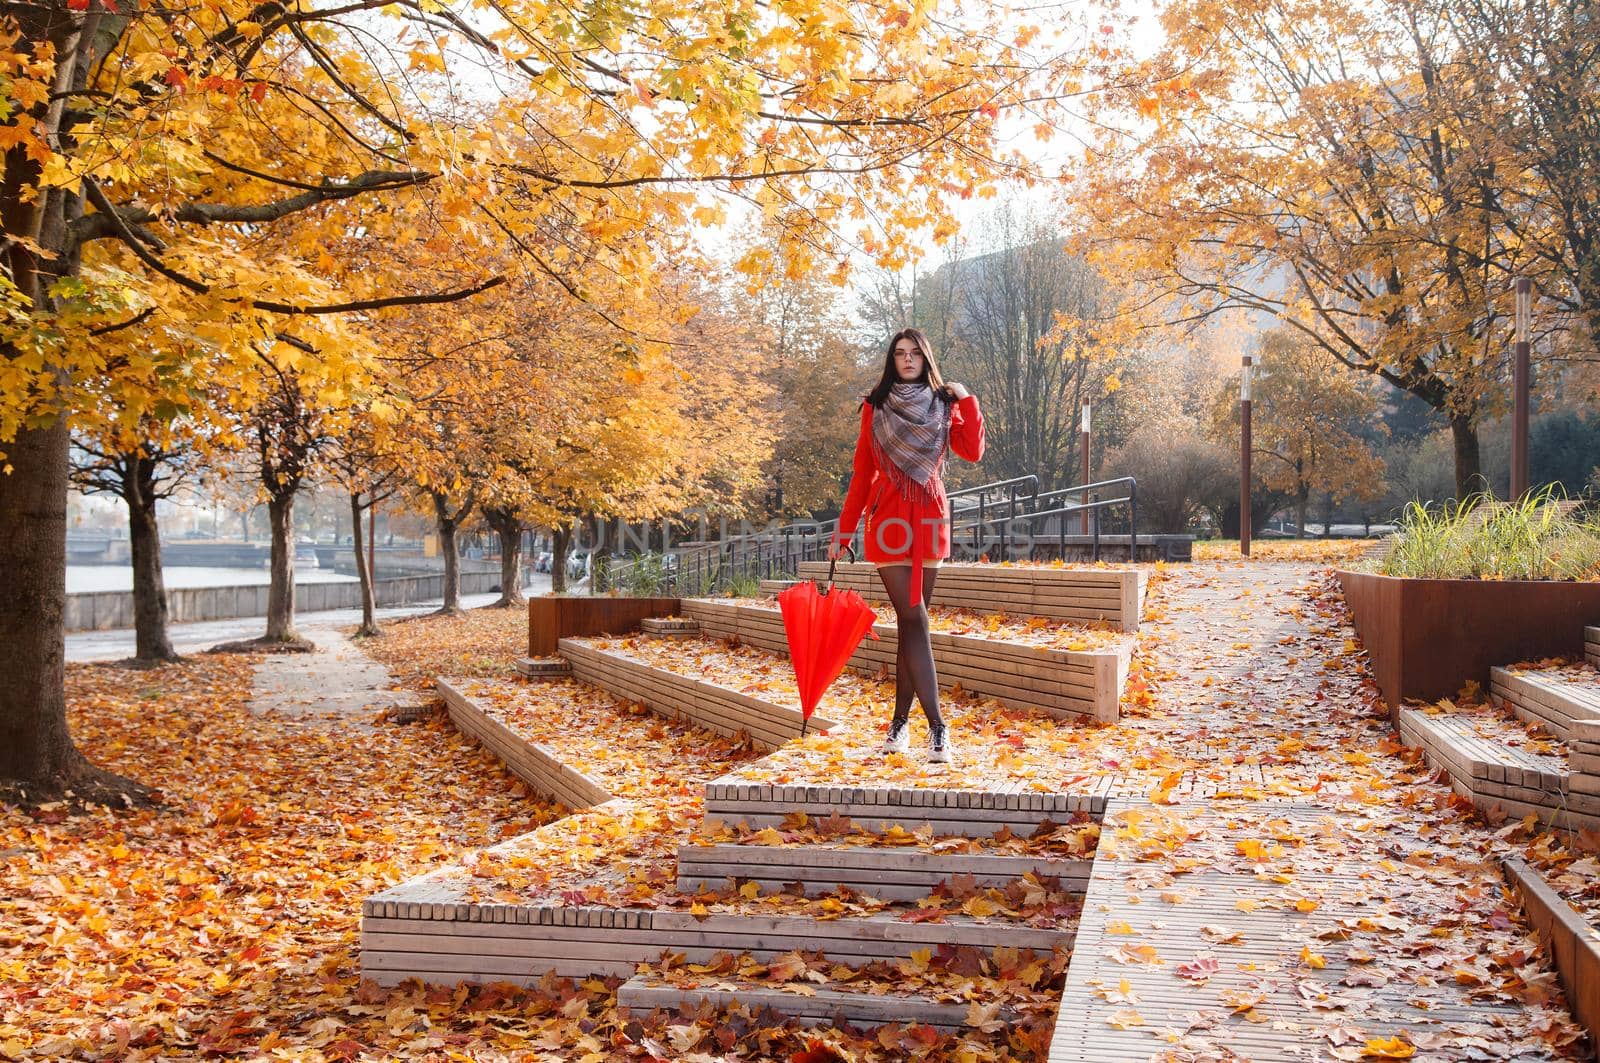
(100, 610)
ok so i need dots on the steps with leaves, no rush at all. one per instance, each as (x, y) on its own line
(1553, 694)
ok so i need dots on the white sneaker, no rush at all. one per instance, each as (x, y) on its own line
(899, 740)
(939, 751)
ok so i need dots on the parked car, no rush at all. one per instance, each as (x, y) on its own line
(542, 561)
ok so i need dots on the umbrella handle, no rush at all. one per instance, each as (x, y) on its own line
(851, 547)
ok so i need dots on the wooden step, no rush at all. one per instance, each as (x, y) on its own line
(442, 940)
(1591, 645)
(672, 627)
(406, 706)
(1062, 683)
(1110, 596)
(1553, 699)
(544, 667)
(776, 586)
(893, 873)
(533, 763)
(976, 811)
(716, 708)
(1494, 775)
(833, 1004)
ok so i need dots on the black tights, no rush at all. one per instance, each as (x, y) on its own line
(914, 675)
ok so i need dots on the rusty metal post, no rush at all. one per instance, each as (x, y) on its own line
(1244, 458)
(1519, 390)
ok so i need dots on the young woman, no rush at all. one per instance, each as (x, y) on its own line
(908, 422)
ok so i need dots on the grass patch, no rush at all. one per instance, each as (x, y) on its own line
(1481, 538)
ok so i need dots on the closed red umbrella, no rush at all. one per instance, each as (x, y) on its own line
(824, 627)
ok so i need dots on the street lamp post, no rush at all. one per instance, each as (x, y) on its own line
(1084, 446)
(1244, 458)
(1519, 390)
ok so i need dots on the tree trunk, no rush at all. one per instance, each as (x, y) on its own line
(38, 760)
(560, 544)
(508, 527)
(280, 592)
(1469, 467)
(1301, 499)
(599, 555)
(369, 606)
(452, 566)
(150, 638)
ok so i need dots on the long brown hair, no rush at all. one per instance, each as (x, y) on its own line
(930, 370)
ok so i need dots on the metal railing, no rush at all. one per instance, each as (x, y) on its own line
(1007, 510)
(1010, 529)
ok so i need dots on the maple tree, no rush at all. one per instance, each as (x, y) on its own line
(146, 144)
(1306, 421)
(1346, 168)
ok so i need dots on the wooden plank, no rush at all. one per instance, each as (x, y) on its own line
(1111, 596)
(898, 874)
(590, 940)
(1548, 700)
(818, 1006)
(714, 707)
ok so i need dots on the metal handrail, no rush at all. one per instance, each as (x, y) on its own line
(1093, 505)
(779, 550)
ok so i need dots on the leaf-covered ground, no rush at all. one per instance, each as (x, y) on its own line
(225, 924)
(1335, 552)
(481, 642)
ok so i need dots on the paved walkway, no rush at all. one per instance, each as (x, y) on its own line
(194, 638)
(1341, 909)
(338, 678)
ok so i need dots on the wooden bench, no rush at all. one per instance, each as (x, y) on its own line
(808, 1005)
(1591, 645)
(426, 928)
(1107, 596)
(1062, 683)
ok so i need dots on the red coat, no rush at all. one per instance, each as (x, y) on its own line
(898, 530)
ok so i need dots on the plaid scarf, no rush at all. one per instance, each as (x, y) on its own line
(910, 433)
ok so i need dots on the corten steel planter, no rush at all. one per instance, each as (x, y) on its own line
(552, 618)
(1428, 637)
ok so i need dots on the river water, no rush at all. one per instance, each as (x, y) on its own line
(118, 578)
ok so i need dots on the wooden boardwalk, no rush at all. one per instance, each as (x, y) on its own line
(1252, 965)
